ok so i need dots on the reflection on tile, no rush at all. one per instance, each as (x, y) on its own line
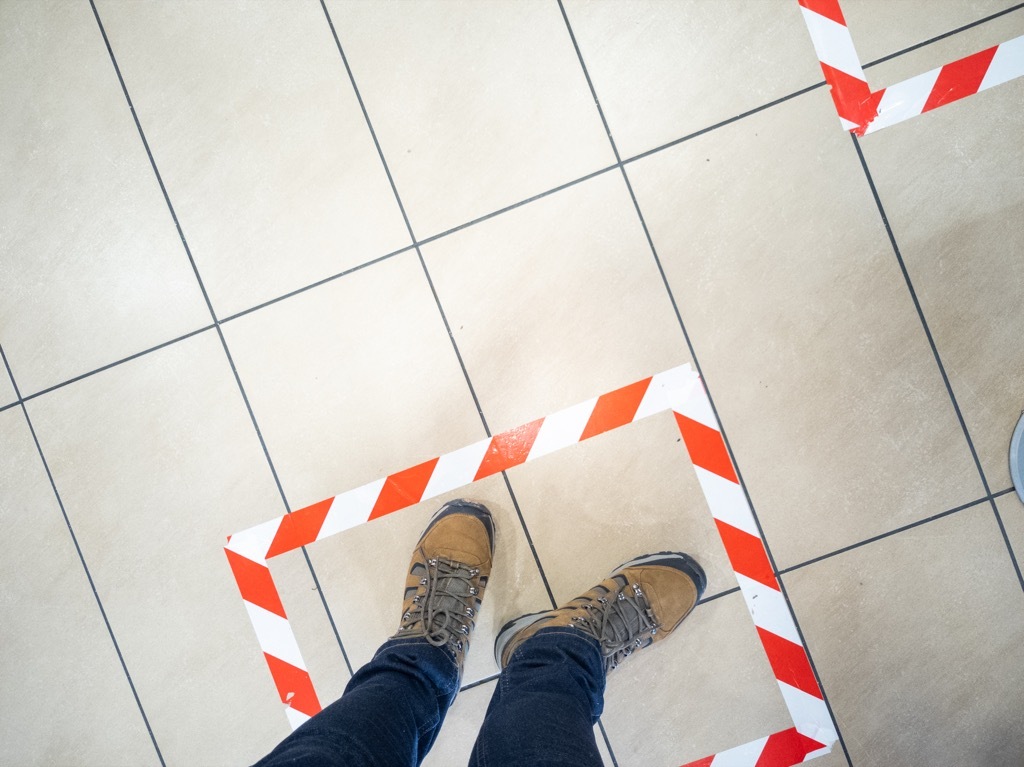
(477, 106)
(920, 628)
(157, 462)
(951, 194)
(806, 333)
(362, 572)
(1012, 512)
(91, 268)
(659, 68)
(354, 380)
(704, 690)
(605, 501)
(556, 302)
(74, 703)
(260, 140)
(880, 28)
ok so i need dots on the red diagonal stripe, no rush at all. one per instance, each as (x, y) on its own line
(747, 555)
(255, 583)
(615, 409)
(508, 449)
(853, 98)
(294, 686)
(299, 528)
(960, 78)
(786, 748)
(705, 762)
(828, 8)
(789, 662)
(403, 489)
(706, 447)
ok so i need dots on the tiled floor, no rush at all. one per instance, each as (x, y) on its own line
(223, 295)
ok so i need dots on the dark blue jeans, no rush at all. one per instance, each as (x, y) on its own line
(542, 713)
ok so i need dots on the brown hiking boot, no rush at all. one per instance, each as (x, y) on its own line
(640, 603)
(447, 577)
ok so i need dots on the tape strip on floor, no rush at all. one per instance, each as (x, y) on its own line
(864, 111)
(679, 390)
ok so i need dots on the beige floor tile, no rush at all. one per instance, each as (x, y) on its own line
(950, 182)
(73, 701)
(260, 140)
(477, 106)
(946, 51)
(665, 70)
(880, 28)
(917, 639)
(157, 462)
(354, 380)
(805, 329)
(1012, 512)
(362, 572)
(629, 492)
(91, 268)
(706, 690)
(556, 302)
(458, 735)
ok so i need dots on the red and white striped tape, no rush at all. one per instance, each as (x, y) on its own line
(679, 390)
(864, 111)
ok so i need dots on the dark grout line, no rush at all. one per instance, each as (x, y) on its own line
(882, 536)
(717, 595)
(935, 353)
(693, 356)
(723, 123)
(318, 283)
(121, 361)
(216, 322)
(1007, 491)
(944, 35)
(12, 405)
(81, 558)
(479, 682)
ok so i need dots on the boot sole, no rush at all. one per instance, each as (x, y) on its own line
(675, 559)
(460, 506)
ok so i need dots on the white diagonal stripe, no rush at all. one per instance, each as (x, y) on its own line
(726, 501)
(456, 469)
(697, 407)
(768, 608)
(740, 756)
(255, 542)
(665, 388)
(562, 429)
(350, 509)
(848, 124)
(833, 44)
(1007, 64)
(295, 718)
(275, 635)
(810, 714)
(903, 100)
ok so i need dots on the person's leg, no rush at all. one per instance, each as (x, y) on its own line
(551, 689)
(392, 709)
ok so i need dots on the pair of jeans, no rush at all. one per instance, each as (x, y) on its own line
(542, 713)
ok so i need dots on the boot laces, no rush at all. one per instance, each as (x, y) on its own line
(622, 622)
(443, 610)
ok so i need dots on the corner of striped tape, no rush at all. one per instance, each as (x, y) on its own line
(669, 390)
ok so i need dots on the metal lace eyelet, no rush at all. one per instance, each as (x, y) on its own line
(432, 562)
(603, 600)
(423, 581)
(469, 612)
(474, 572)
(620, 597)
(472, 591)
(464, 629)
